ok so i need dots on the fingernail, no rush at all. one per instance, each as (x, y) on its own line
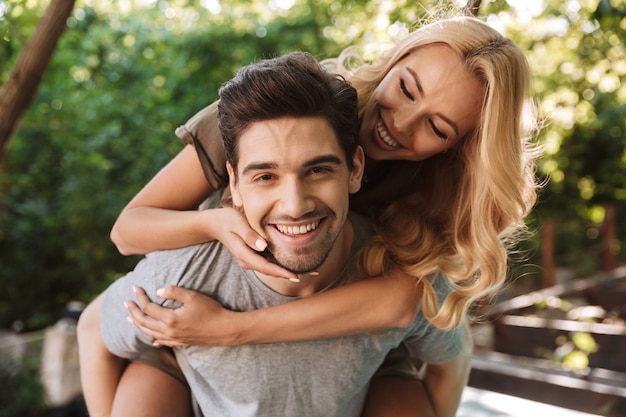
(128, 319)
(294, 279)
(260, 244)
(126, 304)
(134, 289)
(160, 292)
(314, 273)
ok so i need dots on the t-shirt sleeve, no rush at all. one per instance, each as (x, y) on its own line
(430, 343)
(156, 270)
(203, 133)
(425, 343)
(401, 362)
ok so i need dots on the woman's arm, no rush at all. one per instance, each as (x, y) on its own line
(164, 215)
(377, 303)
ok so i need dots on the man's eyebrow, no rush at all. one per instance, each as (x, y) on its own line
(324, 159)
(418, 84)
(321, 159)
(258, 166)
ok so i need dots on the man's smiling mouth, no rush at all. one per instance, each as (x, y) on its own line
(298, 230)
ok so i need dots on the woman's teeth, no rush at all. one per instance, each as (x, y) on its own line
(297, 230)
(384, 135)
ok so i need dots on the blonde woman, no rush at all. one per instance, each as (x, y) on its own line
(449, 179)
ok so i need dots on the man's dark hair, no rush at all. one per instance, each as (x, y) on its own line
(291, 85)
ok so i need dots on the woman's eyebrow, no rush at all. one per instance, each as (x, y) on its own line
(416, 78)
(418, 84)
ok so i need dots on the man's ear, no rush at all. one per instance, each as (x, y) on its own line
(232, 183)
(356, 176)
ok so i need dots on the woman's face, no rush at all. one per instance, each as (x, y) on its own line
(425, 104)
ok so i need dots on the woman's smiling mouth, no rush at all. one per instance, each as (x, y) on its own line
(384, 134)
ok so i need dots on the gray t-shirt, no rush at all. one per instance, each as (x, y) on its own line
(328, 377)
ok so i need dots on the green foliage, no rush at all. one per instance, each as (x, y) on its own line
(126, 73)
(17, 23)
(577, 53)
(22, 392)
(573, 349)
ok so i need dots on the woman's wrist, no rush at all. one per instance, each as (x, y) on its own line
(210, 222)
(246, 327)
(228, 328)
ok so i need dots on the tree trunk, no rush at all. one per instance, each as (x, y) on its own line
(21, 87)
(472, 6)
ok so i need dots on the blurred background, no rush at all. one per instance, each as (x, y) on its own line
(126, 73)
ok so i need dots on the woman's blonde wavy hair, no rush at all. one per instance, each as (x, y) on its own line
(472, 200)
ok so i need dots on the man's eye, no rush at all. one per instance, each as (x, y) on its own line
(405, 91)
(263, 178)
(319, 170)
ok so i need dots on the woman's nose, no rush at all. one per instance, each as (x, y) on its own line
(405, 120)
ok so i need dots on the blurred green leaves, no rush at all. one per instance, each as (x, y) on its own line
(126, 73)
(124, 76)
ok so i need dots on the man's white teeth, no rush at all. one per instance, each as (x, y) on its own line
(384, 135)
(297, 230)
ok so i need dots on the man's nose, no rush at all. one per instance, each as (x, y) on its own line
(295, 200)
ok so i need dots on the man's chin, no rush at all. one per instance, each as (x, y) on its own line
(297, 266)
(301, 260)
(299, 269)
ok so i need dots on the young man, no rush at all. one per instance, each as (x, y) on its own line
(289, 131)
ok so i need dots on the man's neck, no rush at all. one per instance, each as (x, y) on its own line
(326, 274)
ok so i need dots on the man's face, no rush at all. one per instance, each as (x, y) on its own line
(293, 184)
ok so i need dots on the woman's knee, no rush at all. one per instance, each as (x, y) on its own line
(89, 320)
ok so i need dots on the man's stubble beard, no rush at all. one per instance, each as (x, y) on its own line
(302, 260)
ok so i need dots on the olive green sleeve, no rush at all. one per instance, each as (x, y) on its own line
(202, 132)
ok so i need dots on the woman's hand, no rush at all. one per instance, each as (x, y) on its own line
(200, 320)
(232, 229)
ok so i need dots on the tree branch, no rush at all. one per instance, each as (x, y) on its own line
(472, 6)
(21, 87)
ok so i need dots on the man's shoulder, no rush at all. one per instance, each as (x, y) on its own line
(204, 253)
(363, 229)
(361, 223)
